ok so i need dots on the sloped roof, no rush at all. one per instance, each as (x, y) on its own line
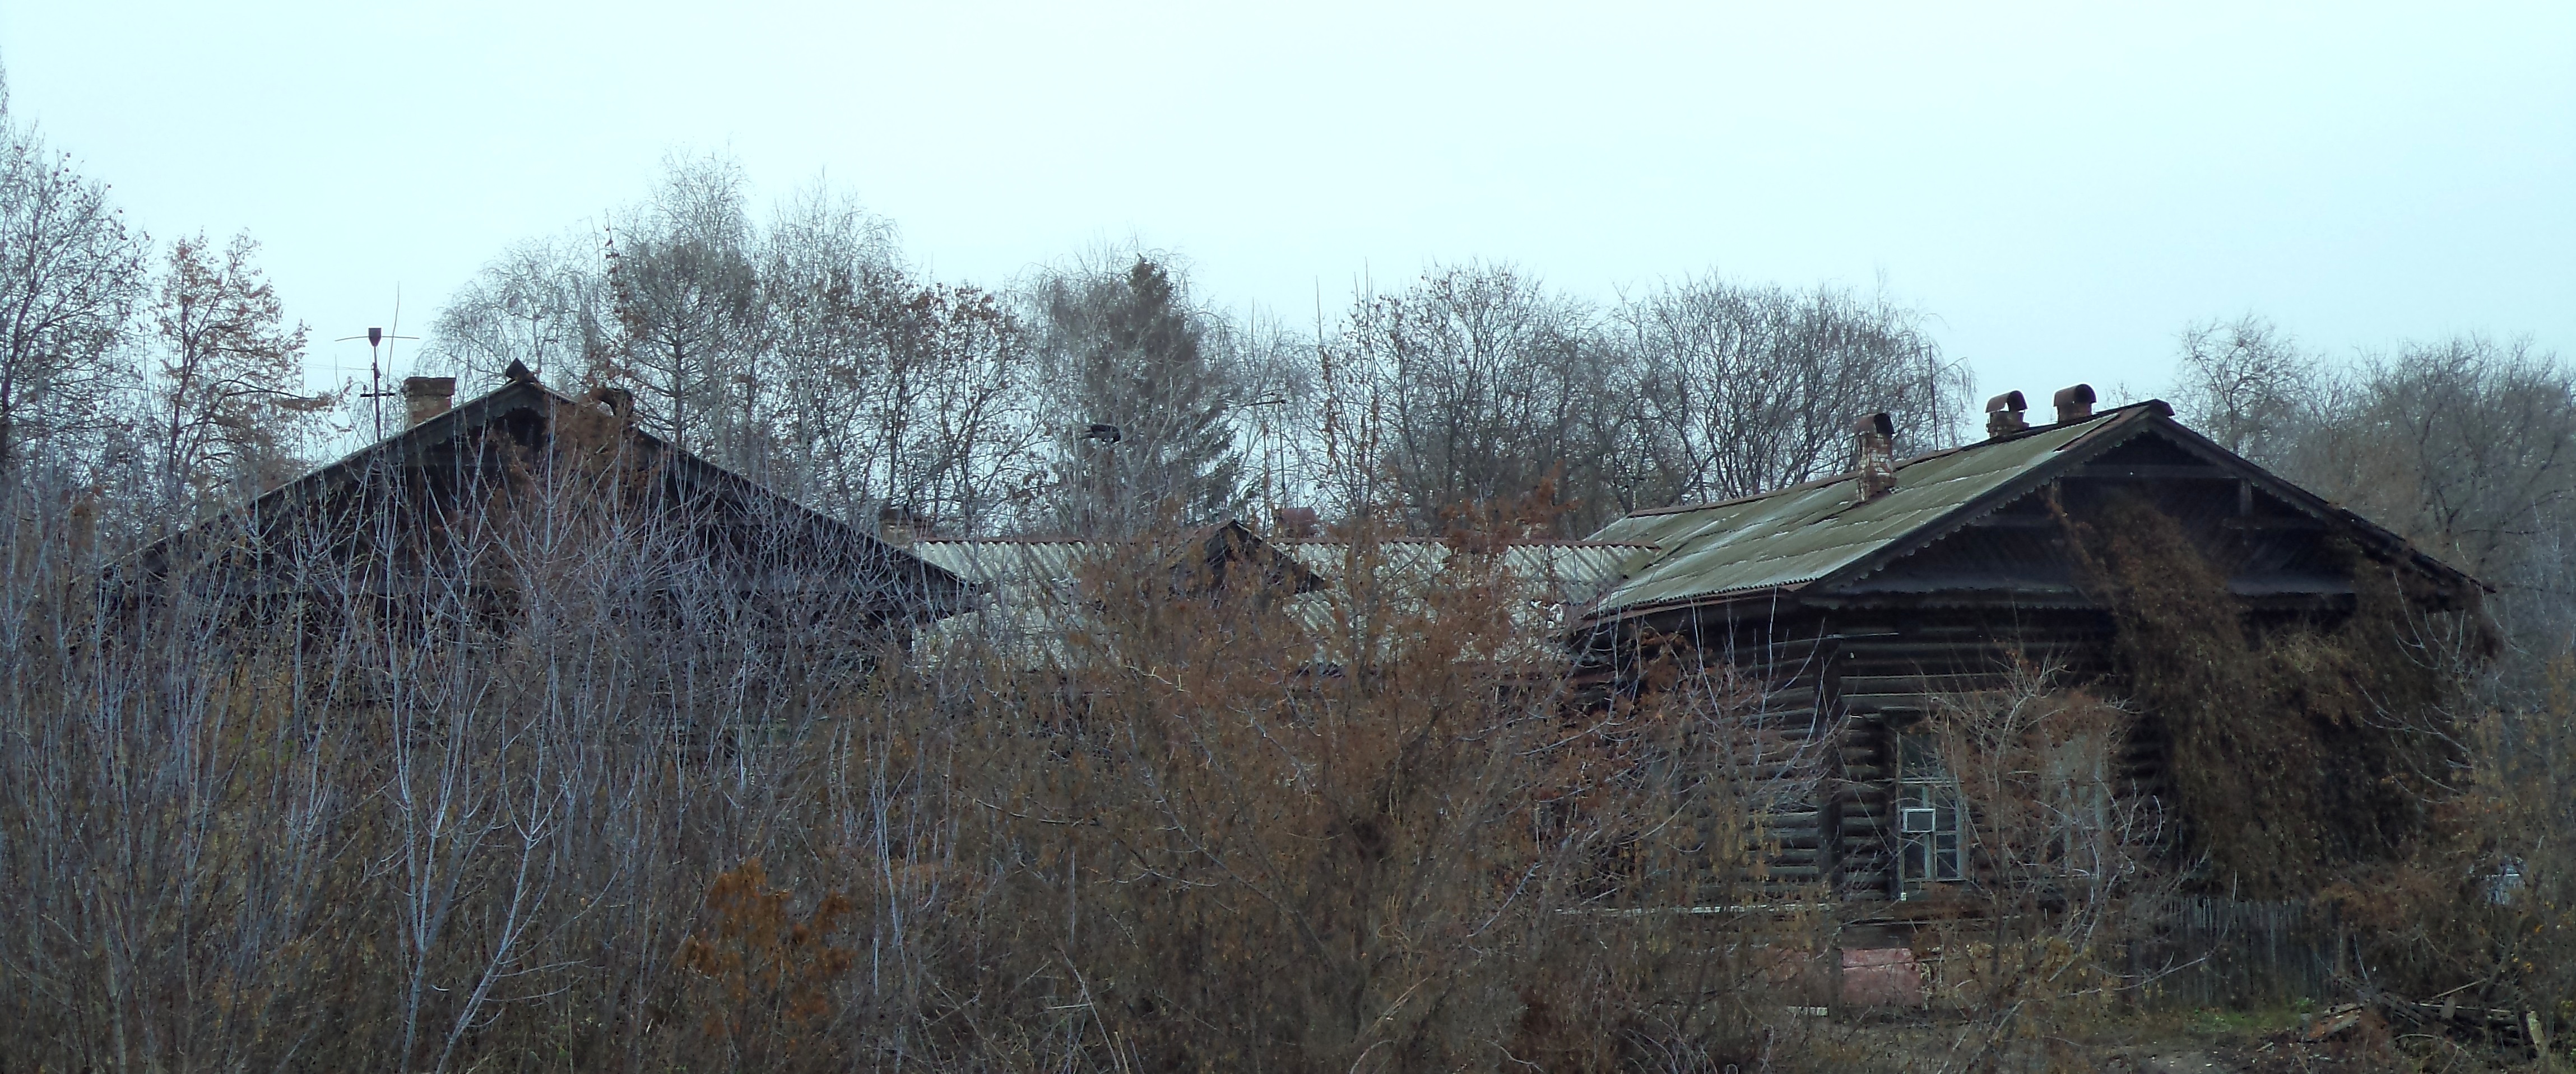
(1545, 584)
(1004, 567)
(1569, 572)
(1033, 586)
(938, 591)
(1821, 533)
(1020, 568)
(1027, 590)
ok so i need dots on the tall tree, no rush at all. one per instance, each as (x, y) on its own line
(1139, 401)
(795, 347)
(900, 393)
(688, 301)
(1479, 384)
(2466, 445)
(2246, 385)
(1743, 389)
(227, 392)
(543, 303)
(885, 390)
(71, 274)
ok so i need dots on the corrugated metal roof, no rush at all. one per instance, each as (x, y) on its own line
(1546, 584)
(1800, 534)
(1002, 565)
(1565, 572)
(1033, 587)
(1028, 596)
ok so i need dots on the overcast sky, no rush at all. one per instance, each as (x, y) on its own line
(2063, 186)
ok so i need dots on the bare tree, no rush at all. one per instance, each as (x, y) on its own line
(71, 273)
(891, 390)
(2246, 385)
(1478, 385)
(229, 406)
(687, 295)
(1282, 414)
(795, 347)
(2065, 862)
(2468, 447)
(543, 304)
(1742, 389)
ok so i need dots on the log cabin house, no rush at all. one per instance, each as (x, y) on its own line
(387, 519)
(1856, 602)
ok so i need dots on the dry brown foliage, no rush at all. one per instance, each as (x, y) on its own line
(547, 788)
(2353, 723)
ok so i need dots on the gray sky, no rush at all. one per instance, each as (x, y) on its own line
(2063, 185)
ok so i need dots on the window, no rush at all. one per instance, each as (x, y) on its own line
(1928, 817)
(2079, 817)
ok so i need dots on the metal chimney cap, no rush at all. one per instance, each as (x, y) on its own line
(1878, 423)
(2008, 401)
(2074, 404)
(619, 401)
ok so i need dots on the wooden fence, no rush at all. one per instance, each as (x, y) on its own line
(2235, 954)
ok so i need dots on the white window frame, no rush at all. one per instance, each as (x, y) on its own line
(1928, 796)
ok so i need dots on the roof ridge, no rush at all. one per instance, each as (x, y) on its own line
(2158, 405)
(1751, 530)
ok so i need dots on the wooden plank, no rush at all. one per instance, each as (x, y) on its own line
(2153, 472)
(1878, 703)
(1956, 682)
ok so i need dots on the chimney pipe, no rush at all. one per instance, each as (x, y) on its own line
(1874, 464)
(427, 397)
(2003, 415)
(2074, 404)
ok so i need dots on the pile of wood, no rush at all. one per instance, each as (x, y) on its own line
(2443, 1014)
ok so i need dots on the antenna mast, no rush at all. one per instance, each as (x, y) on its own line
(379, 353)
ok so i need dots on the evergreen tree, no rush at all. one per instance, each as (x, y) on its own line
(1142, 398)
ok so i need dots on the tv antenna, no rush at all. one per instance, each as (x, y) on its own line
(379, 352)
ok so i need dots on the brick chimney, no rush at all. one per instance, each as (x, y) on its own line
(1874, 455)
(427, 397)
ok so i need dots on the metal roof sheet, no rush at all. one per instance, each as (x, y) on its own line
(1003, 565)
(1566, 572)
(1029, 597)
(1034, 587)
(1803, 533)
(1545, 584)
